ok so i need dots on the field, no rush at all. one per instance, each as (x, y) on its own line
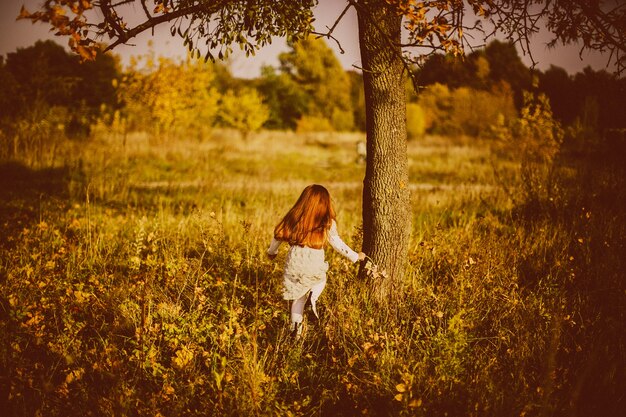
(134, 282)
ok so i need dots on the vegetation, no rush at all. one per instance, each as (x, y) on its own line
(134, 281)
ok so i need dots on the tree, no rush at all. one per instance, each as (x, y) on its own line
(559, 88)
(505, 65)
(170, 95)
(10, 105)
(286, 101)
(48, 76)
(358, 100)
(431, 26)
(243, 111)
(444, 69)
(312, 65)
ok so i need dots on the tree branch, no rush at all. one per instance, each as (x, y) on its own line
(125, 35)
(332, 28)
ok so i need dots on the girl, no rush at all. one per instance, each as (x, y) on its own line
(307, 227)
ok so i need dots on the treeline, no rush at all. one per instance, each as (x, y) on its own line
(467, 96)
(47, 95)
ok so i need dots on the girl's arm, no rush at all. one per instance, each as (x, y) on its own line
(339, 245)
(273, 249)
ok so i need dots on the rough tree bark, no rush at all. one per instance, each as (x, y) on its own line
(386, 199)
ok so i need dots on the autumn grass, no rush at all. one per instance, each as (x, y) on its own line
(135, 282)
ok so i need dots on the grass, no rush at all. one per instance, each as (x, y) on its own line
(134, 281)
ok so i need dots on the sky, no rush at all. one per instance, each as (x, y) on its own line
(20, 34)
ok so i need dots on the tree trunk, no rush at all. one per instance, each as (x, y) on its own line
(386, 199)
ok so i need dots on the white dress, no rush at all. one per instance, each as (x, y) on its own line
(305, 267)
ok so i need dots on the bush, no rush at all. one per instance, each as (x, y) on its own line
(464, 111)
(310, 124)
(243, 111)
(342, 120)
(532, 141)
(415, 121)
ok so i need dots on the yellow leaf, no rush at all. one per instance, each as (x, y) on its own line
(398, 397)
(415, 403)
(401, 388)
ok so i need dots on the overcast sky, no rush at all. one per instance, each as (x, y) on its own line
(18, 34)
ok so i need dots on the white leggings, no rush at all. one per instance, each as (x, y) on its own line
(297, 306)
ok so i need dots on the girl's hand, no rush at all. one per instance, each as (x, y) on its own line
(361, 256)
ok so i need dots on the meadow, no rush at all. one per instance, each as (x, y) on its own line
(134, 282)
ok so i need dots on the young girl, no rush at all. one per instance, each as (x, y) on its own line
(307, 227)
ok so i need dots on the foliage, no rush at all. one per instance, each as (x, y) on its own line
(250, 24)
(498, 67)
(313, 67)
(287, 102)
(357, 97)
(172, 97)
(311, 124)
(44, 86)
(505, 66)
(534, 141)
(415, 121)
(485, 69)
(464, 111)
(244, 111)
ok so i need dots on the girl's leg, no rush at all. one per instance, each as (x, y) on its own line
(297, 309)
(316, 290)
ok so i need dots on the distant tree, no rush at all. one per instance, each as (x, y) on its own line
(559, 88)
(169, 97)
(224, 79)
(287, 102)
(436, 101)
(10, 99)
(415, 121)
(444, 69)
(243, 110)
(573, 97)
(358, 100)
(505, 65)
(464, 110)
(47, 76)
(483, 69)
(607, 91)
(312, 124)
(95, 86)
(313, 66)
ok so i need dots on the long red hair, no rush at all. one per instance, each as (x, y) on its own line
(307, 223)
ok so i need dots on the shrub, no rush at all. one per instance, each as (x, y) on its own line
(243, 111)
(464, 111)
(533, 141)
(415, 121)
(342, 120)
(310, 124)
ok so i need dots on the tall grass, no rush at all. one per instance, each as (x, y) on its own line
(135, 282)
